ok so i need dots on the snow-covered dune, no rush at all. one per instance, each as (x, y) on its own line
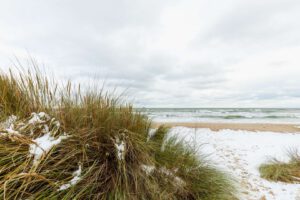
(241, 152)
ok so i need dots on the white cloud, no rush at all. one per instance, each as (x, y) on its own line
(218, 53)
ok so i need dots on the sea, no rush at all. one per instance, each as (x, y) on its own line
(224, 115)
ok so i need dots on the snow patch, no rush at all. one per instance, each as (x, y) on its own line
(9, 122)
(120, 148)
(171, 174)
(9, 127)
(148, 169)
(10, 131)
(74, 181)
(38, 118)
(151, 133)
(43, 145)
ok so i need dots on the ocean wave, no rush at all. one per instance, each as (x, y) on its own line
(226, 115)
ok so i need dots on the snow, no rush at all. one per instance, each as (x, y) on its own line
(37, 118)
(241, 153)
(56, 123)
(9, 122)
(148, 169)
(120, 147)
(11, 131)
(9, 127)
(43, 145)
(74, 181)
(151, 133)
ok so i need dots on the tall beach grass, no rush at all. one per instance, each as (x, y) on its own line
(57, 142)
(276, 170)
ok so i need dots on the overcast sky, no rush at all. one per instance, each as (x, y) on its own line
(188, 53)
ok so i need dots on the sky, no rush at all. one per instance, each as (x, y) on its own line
(171, 53)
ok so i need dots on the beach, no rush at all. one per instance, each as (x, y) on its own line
(255, 127)
(150, 100)
(238, 141)
(240, 153)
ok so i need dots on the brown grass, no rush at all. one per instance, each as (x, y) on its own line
(95, 124)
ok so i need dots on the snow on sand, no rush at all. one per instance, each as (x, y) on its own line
(241, 152)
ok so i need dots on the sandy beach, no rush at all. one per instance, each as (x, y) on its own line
(241, 152)
(240, 148)
(281, 128)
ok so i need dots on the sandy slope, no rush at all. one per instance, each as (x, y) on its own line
(241, 152)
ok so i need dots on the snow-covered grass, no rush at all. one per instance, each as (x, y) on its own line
(103, 154)
(148, 169)
(43, 145)
(38, 146)
(38, 118)
(120, 148)
(76, 178)
(176, 167)
(241, 153)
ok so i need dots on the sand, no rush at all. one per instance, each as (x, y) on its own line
(281, 128)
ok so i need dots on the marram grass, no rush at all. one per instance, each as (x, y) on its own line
(98, 148)
(288, 172)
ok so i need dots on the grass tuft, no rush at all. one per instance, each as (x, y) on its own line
(280, 171)
(100, 148)
(191, 175)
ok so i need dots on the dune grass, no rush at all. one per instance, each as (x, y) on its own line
(280, 171)
(102, 148)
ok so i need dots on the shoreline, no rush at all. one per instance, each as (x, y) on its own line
(255, 127)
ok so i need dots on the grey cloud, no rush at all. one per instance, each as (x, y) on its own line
(257, 21)
(116, 42)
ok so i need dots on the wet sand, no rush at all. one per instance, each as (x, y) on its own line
(282, 128)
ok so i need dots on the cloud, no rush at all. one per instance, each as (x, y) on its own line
(166, 53)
